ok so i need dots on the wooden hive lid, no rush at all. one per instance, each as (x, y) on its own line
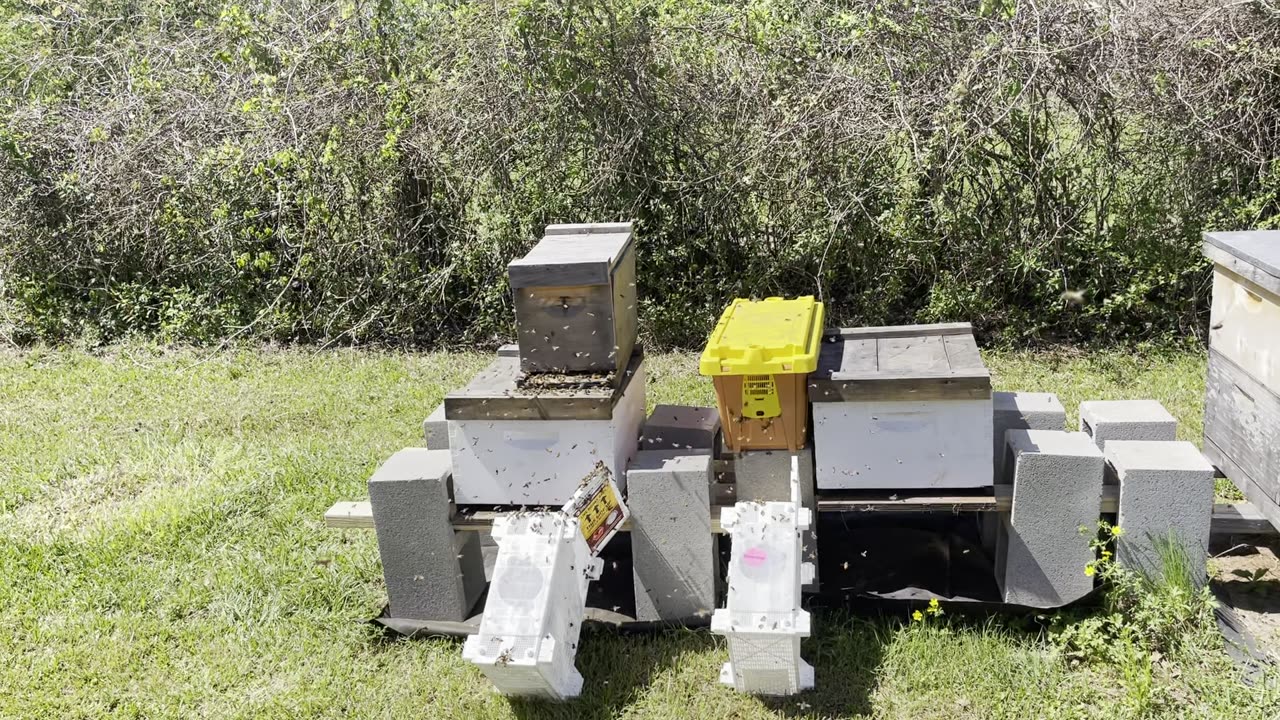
(571, 255)
(906, 362)
(495, 393)
(1253, 254)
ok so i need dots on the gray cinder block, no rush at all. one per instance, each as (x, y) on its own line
(435, 429)
(1022, 411)
(1106, 420)
(672, 548)
(1016, 411)
(430, 573)
(765, 475)
(1166, 488)
(680, 427)
(1057, 485)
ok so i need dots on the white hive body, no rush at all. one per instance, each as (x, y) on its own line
(529, 634)
(505, 453)
(763, 621)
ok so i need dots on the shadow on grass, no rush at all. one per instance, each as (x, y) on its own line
(616, 669)
(845, 652)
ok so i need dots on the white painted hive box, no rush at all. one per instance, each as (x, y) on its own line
(516, 447)
(1242, 391)
(901, 408)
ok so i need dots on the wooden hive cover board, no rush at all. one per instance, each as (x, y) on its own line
(494, 395)
(907, 362)
(570, 260)
(1254, 255)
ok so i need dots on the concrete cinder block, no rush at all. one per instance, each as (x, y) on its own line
(431, 574)
(681, 427)
(435, 429)
(1166, 489)
(765, 475)
(1021, 411)
(673, 551)
(1016, 411)
(1106, 420)
(1057, 485)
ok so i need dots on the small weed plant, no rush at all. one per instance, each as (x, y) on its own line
(1159, 610)
(1148, 613)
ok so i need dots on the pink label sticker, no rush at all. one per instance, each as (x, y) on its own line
(754, 557)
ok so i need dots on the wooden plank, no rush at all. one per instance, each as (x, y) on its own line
(898, 357)
(1240, 519)
(1259, 500)
(1224, 259)
(493, 395)
(965, 387)
(349, 515)
(1258, 248)
(962, 353)
(625, 307)
(907, 501)
(917, 362)
(1242, 421)
(891, 331)
(858, 356)
(1228, 518)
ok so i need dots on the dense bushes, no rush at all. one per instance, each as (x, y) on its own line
(362, 171)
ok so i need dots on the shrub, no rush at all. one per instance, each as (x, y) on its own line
(362, 171)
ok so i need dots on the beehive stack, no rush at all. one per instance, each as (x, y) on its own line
(528, 428)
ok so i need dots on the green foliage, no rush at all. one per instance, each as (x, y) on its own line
(362, 172)
(1146, 616)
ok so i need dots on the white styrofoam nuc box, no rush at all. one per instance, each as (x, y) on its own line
(763, 621)
(528, 635)
(517, 448)
(901, 408)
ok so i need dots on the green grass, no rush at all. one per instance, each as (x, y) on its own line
(162, 554)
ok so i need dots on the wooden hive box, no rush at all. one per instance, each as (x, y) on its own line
(512, 445)
(575, 297)
(901, 407)
(1242, 390)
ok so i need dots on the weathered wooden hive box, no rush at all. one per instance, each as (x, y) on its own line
(517, 443)
(575, 297)
(1242, 391)
(901, 407)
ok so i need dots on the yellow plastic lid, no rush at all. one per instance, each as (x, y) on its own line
(765, 337)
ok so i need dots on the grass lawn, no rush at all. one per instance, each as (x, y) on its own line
(162, 554)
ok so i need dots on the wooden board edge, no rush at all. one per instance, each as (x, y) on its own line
(1228, 518)
(1225, 260)
(897, 331)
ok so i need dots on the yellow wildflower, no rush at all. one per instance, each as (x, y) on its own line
(1090, 570)
(917, 616)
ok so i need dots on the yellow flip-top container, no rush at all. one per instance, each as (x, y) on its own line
(758, 356)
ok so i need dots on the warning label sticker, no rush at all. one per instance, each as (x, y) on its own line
(598, 506)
